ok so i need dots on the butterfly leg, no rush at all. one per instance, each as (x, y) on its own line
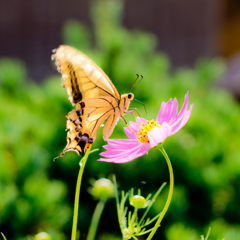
(129, 127)
(133, 111)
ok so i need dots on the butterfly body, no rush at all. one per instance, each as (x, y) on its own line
(94, 95)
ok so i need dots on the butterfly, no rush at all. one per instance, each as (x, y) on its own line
(95, 97)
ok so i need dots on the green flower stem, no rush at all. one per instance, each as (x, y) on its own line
(3, 236)
(95, 219)
(134, 216)
(209, 230)
(77, 194)
(161, 149)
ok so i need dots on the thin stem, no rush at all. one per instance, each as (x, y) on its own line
(3, 236)
(134, 216)
(95, 219)
(152, 220)
(169, 194)
(77, 194)
(150, 205)
(209, 230)
(144, 232)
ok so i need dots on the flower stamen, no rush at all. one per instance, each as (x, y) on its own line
(145, 128)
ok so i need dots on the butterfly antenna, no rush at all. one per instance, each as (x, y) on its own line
(142, 104)
(133, 83)
(136, 82)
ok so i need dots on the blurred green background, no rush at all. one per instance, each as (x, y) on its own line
(37, 194)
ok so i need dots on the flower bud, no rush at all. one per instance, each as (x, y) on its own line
(139, 201)
(102, 188)
(42, 236)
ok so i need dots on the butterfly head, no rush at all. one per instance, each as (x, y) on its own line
(125, 101)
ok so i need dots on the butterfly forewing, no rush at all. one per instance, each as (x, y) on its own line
(81, 76)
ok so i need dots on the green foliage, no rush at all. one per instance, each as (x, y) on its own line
(130, 223)
(30, 200)
(107, 236)
(179, 231)
(37, 194)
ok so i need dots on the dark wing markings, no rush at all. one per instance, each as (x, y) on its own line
(77, 95)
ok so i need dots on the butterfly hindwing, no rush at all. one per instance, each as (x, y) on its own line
(109, 126)
(84, 121)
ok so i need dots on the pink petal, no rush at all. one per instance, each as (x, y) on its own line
(162, 112)
(119, 142)
(113, 152)
(131, 157)
(120, 159)
(168, 111)
(143, 149)
(158, 135)
(182, 111)
(127, 156)
(129, 133)
(134, 126)
(141, 120)
(174, 110)
(186, 116)
(121, 149)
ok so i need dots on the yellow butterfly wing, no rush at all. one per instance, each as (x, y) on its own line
(81, 76)
(94, 95)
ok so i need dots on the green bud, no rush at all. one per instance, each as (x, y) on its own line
(139, 201)
(42, 236)
(102, 188)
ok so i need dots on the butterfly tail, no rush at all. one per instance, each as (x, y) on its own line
(77, 142)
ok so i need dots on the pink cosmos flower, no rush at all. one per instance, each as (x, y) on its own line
(147, 134)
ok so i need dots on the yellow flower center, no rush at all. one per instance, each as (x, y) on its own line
(145, 128)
